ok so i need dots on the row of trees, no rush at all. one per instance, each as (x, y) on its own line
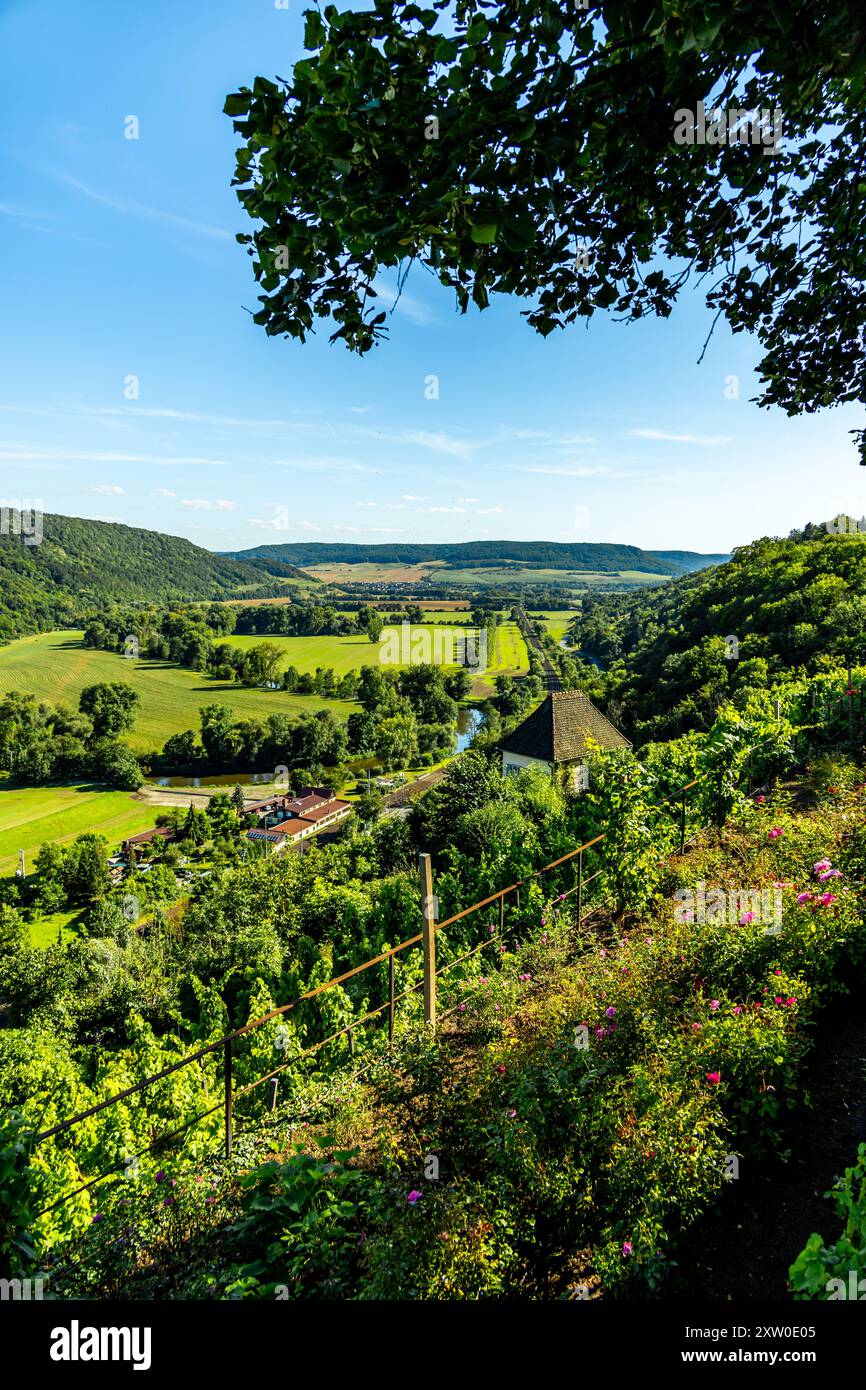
(40, 742)
(187, 634)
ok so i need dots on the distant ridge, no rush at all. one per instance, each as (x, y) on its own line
(603, 557)
(690, 560)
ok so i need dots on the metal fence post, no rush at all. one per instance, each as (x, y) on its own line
(579, 885)
(428, 938)
(227, 1054)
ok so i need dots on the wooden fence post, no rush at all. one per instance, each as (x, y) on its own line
(428, 938)
(501, 913)
(227, 1069)
(391, 1001)
(683, 823)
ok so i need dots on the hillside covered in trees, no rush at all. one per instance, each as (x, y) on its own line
(80, 565)
(675, 653)
(604, 557)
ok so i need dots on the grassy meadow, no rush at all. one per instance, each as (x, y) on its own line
(557, 621)
(54, 666)
(351, 653)
(32, 816)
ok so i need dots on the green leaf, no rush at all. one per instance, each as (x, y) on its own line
(605, 295)
(237, 104)
(314, 30)
(483, 233)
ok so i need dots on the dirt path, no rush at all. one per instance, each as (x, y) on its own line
(195, 796)
(746, 1248)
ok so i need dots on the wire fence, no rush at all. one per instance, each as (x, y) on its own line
(426, 939)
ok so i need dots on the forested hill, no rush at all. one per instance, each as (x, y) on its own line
(603, 557)
(688, 561)
(788, 604)
(81, 565)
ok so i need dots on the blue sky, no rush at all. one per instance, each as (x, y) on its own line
(119, 261)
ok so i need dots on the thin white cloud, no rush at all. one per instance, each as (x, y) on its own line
(110, 489)
(204, 504)
(136, 209)
(555, 437)
(436, 442)
(15, 210)
(489, 511)
(468, 499)
(406, 304)
(563, 470)
(22, 453)
(164, 492)
(708, 441)
(195, 417)
(440, 509)
(325, 462)
(275, 524)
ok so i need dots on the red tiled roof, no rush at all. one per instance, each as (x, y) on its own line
(325, 809)
(142, 838)
(302, 805)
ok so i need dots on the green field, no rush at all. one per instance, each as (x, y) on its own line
(31, 816)
(344, 654)
(508, 658)
(571, 579)
(54, 666)
(478, 576)
(556, 621)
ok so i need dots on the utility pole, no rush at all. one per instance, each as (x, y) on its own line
(21, 872)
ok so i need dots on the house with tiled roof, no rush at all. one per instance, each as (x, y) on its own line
(561, 734)
(285, 821)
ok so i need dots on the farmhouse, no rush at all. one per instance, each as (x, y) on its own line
(559, 737)
(139, 844)
(285, 821)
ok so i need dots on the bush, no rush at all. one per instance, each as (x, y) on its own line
(835, 1272)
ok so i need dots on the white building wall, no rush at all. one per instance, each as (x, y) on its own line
(512, 763)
